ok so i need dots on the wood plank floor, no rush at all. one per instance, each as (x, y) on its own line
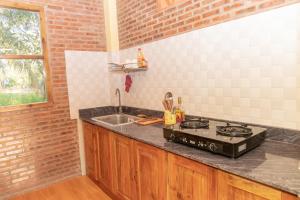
(79, 188)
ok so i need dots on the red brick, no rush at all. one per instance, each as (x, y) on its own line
(185, 16)
(233, 6)
(246, 10)
(211, 13)
(220, 3)
(185, 28)
(221, 18)
(33, 137)
(189, 11)
(271, 3)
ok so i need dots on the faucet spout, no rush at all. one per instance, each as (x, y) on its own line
(119, 96)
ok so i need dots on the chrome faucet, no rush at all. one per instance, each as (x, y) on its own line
(119, 94)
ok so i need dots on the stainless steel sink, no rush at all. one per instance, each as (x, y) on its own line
(116, 119)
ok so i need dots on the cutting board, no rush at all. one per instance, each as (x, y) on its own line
(149, 121)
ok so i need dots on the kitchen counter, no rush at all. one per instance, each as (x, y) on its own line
(275, 163)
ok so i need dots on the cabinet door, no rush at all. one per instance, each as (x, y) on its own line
(189, 180)
(123, 167)
(104, 158)
(151, 172)
(286, 196)
(90, 146)
(232, 187)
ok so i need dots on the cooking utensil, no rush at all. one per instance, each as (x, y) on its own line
(168, 96)
(148, 121)
(164, 102)
(169, 101)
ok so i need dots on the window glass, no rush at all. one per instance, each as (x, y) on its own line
(22, 82)
(19, 32)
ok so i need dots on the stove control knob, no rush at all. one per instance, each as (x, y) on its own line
(213, 147)
(172, 136)
(201, 144)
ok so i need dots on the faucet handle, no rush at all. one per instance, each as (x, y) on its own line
(117, 91)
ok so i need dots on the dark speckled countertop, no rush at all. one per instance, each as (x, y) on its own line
(275, 163)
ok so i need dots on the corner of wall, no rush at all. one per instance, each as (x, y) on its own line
(111, 25)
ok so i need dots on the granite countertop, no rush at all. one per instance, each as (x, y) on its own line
(275, 163)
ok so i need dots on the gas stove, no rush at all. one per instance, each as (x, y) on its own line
(231, 140)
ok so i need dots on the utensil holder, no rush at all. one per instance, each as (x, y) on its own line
(169, 118)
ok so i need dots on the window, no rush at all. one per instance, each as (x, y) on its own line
(23, 56)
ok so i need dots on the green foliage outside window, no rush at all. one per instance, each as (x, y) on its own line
(22, 80)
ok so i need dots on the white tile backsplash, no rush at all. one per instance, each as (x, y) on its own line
(88, 80)
(245, 70)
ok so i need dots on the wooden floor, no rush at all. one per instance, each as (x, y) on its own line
(79, 188)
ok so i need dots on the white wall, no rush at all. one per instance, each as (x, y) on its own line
(88, 86)
(245, 70)
(116, 79)
(88, 80)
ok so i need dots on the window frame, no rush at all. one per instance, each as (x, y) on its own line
(44, 56)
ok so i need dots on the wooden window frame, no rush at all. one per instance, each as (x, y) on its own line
(44, 56)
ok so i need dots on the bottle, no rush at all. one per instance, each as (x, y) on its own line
(180, 114)
(141, 58)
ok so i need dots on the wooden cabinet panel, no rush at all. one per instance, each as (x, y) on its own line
(188, 180)
(91, 154)
(232, 187)
(151, 172)
(131, 170)
(123, 167)
(104, 157)
(286, 196)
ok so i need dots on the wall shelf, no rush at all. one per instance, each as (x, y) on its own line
(127, 70)
(122, 68)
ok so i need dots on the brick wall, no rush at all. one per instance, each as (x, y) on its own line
(40, 145)
(143, 21)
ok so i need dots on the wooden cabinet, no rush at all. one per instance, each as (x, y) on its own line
(97, 154)
(104, 157)
(91, 153)
(286, 196)
(189, 180)
(130, 170)
(151, 172)
(123, 167)
(232, 187)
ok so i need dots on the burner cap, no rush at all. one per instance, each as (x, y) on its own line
(195, 124)
(234, 131)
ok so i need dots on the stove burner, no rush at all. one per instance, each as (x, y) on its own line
(234, 131)
(195, 124)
